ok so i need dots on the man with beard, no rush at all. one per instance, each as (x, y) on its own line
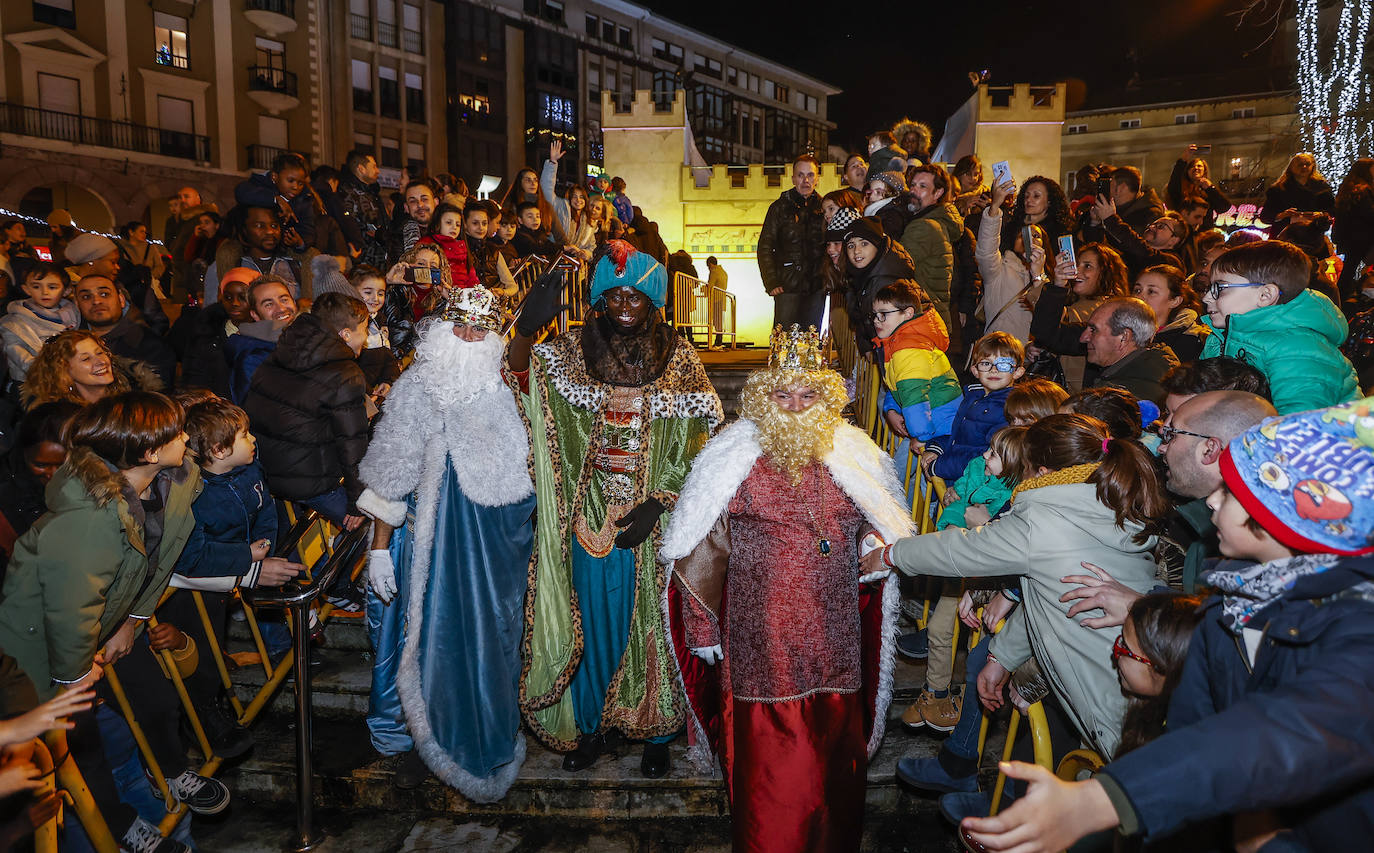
(765, 542)
(455, 518)
(616, 411)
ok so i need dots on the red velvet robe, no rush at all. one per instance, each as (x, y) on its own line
(790, 709)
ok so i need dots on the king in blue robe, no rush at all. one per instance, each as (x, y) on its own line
(447, 471)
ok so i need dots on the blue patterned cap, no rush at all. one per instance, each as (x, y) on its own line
(1308, 478)
(626, 266)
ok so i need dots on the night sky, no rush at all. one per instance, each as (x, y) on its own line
(894, 59)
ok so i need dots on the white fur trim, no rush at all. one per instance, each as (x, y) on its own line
(408, 681)
(375, 506)
(865, 473)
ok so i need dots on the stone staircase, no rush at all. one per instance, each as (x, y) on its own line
(352, 779)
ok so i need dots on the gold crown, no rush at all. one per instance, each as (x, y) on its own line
(794, 349)
(474, 306)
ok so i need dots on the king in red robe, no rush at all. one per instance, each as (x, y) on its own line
(784, 648)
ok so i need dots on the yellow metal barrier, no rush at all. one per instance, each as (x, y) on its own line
(45, 836)
(70, 780)
(312, 537)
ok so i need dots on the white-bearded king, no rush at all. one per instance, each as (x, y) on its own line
(446, 470)
(784, 649)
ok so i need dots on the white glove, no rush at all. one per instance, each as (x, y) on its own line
(871, 542)
(381, 574)
(711, 654)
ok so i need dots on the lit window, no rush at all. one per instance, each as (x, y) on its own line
(169, 35)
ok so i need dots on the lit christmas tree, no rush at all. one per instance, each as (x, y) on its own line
(1333, 85)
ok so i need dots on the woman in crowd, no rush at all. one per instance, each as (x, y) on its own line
(1191, 179)
(1089, 496)
(875, 261)
(884, 202)
(133, 242)
(76, 365)
(834, 201)
(39, 450)
(1069, 300)
(1166, 290)
(968, 181)
(1353, 232)
(526, 188)
(1012, 275)
(1300, 189)
(1041, 202)
(422, 275)
(1149, 657)
(572, 221)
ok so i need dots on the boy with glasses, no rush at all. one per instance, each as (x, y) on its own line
(1259, 305)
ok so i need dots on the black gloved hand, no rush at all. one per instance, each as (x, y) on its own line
(638, 523)
(542, 303)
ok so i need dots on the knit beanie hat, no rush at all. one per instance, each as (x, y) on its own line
(85, 248)
(625, 266)
(895, 180)
(1308, 478)
(866, 227)
(839, 224)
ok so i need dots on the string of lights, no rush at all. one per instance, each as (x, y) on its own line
(1333, 87)
(6, 214)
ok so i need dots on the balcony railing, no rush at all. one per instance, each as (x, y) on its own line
(386, 33)
(413, 41)
(360, 27)
(261, 156)
(85, 130)
(281, 7)
(266, 78)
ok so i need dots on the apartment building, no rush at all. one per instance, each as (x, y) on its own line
(523, 71)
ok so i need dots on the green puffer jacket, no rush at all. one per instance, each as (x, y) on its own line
(1296, 345)
(82, 569)
(930, 239)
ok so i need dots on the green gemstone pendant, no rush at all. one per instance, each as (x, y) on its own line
(823, 546)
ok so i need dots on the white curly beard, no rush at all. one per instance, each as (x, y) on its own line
(456, 372)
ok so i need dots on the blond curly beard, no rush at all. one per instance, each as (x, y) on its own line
(792, 441)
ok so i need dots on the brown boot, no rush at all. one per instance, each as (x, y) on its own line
(941, 714)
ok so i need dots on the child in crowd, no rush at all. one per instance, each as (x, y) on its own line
(1149, 658)
(42, 313)
(285, 188)
(447, 234)
(996, 361)
(380, 366)
(1271, 714)
(307, 405)
(624, 208)
(1259, 305)
(1033, 398)
(922, 391)
(973, 499)
(532, 236)
(502, 231)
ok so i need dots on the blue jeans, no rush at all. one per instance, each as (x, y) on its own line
(332, 505)
(963, 741)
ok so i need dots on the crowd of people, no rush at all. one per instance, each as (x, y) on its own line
(1155, 466)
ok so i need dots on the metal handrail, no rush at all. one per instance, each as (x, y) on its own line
(23, 120)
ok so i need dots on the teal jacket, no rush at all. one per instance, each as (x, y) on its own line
(976, 486)
(1296, 345)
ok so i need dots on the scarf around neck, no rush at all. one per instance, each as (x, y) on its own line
(1248, 590)
(1063, 477)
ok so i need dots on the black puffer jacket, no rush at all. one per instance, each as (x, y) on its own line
(199, 335)
(894, 263)
(792, 244)
(305, 404)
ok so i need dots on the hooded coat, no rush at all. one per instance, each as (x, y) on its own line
(1296, 345)
(892, 264)
(929, 239)
(1288, 732)
(83, 568)
(1048, 532)
(306, 407)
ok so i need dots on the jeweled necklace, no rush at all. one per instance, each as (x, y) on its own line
(822, 543)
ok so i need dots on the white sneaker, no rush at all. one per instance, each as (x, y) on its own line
(143, 837)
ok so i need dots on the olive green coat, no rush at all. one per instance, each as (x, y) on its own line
(82, 569)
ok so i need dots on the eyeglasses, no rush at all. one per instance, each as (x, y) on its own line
(1119, 650)
(1215, 288)
(1166, 433)
(1004, 364)
(877, 316)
